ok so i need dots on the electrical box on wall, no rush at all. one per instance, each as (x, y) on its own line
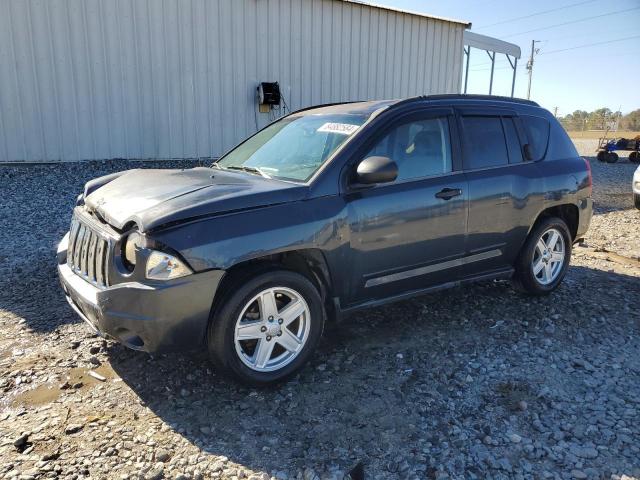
(269, 93)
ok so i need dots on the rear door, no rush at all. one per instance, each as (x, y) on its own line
(504, 188)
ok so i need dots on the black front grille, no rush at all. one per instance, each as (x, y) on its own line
(87, 253)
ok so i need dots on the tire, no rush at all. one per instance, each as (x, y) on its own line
(602, 156)
(636, 200)
(634, 157)
(240, 358)
(525, 278)
(612, 157)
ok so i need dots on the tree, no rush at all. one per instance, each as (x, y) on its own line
(601, 119)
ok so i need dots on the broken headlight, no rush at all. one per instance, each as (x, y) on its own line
(134, 241)
(162, 266)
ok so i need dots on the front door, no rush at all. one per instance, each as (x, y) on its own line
(409, 234)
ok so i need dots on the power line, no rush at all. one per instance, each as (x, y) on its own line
(571, 22)
(589, 45)
(537, 13)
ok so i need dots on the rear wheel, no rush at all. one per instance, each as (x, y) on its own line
(544, 259)
(266, 330)
(602, 156)
(634, 157)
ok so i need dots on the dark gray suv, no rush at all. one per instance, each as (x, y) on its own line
(324, 212)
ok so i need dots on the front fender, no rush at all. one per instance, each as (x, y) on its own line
(226, 240)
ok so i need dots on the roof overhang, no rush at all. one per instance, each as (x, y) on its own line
(491, 44)
(409, 12)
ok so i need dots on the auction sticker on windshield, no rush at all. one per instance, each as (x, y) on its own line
(341, 128)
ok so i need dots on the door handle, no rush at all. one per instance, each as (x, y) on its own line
(449, 193)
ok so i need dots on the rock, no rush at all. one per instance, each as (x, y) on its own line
(309, 474)
(73, 428)
(522, 405)
(505, 464)
(94, 360)
(94, 350)
(21, 441)
(155, 473)
(162, 456)
(97, 376)
(515, 438)
(583, 452)
(578, 474)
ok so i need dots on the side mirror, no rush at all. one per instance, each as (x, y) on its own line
(528, 154)
(376, 170)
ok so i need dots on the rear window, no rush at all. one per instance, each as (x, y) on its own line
(484, 142)
(537, 129)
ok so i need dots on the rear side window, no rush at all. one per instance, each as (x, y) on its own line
(484, 142)
(537, 129)
(513, 142)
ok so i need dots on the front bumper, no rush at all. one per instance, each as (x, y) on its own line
(154, 317)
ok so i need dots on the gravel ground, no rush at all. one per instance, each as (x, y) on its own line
(475, 382)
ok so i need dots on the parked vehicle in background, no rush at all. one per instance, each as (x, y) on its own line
(325, 212)
(606, 151)
(635, 186)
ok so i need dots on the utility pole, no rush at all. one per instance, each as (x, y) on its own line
(530, 65)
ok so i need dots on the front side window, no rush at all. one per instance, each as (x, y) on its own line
(421, 148)
(484, 142)
(295, 147)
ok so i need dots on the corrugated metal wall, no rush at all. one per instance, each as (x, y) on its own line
(100, 79)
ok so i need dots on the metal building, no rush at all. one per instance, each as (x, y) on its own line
(102, 79)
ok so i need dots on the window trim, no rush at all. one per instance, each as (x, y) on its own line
(518, 138)
(387, 126)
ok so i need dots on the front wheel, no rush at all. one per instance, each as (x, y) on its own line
(544, 259)
(634, 157)
(636, 200)
(266, 330)
(612, 157)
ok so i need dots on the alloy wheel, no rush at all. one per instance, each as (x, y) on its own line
(548, 257)
(272, 329)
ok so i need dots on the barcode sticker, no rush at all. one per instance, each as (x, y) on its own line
(341, 128)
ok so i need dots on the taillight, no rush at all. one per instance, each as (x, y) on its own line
(589, 177)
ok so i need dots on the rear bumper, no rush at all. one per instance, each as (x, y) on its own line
(158, 317)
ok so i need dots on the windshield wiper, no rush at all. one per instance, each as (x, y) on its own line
(245, 168)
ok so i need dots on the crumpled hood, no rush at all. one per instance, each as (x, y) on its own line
(152, 198)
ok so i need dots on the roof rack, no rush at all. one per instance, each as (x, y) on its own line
(467, 96)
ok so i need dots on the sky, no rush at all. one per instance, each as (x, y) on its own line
(585, 78)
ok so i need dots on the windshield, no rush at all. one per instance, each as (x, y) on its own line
(293, 148)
